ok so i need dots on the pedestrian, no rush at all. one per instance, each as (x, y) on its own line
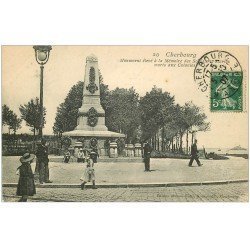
(147, 149)
(67, 156)
(26, 184)
(89, 172)
(194, 155)
(95, 153)
(43, 162)
(80, 156)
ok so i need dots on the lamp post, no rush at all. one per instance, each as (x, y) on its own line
(42, 56)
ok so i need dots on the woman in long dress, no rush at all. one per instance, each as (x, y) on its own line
(26, 185)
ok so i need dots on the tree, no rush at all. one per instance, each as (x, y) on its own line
(30, 112)
(10, 119)
(179, 123)
(185, 119)
(66, 117)
(156, 110)
(195, 120)
(122, 111)
(6, 115)
(160, 116)
(15, 123)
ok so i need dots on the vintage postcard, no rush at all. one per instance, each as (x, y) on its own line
(125, 123)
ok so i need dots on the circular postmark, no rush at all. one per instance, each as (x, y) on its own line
(220, 74)
(214, 61)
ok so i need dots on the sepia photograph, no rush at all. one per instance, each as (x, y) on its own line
(124, 123)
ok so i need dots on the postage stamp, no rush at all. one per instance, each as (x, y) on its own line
(226, 91)
(219, 75)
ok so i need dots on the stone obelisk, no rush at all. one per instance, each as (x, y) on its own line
(91, 115)
(91, 130)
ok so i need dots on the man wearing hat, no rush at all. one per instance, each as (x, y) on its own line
(43, 162)
(147, 149)
(26, 185)
(194, 155)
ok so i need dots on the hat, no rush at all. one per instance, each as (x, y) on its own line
(27, 157)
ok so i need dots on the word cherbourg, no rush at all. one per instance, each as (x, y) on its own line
(125, 123)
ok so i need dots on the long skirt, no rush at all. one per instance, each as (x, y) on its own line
(26, 186)
(88, 175)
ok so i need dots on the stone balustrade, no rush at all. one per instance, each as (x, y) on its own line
(113, 150)
(138, 150)
(133, 150)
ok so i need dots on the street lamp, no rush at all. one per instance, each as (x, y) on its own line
(42, 57)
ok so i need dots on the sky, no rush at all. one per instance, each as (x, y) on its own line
(66, 66)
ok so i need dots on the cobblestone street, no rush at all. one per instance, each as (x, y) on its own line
(234, 192)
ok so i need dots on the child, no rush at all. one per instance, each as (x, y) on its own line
(66, 157)
(89, 173)
(26, 185)
(80, 156)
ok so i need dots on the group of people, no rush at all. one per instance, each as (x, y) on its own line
(81, 155)
(26, 184)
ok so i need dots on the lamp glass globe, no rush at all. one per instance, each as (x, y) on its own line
(42, 56)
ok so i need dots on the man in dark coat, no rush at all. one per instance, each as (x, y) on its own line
(43, 162)
(194, 154)
(147, 149)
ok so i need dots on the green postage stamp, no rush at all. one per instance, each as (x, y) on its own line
(219, 75)
(226, 91)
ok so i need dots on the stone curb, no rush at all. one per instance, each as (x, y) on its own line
(133, 185)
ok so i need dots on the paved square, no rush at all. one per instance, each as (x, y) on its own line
(164, 170)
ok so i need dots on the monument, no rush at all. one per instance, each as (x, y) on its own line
(91, 131)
